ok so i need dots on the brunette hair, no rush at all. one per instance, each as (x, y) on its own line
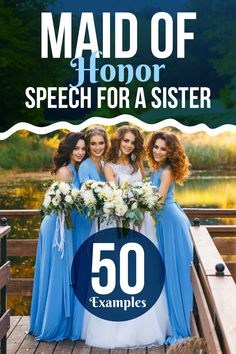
(64, 150)
(96, 131)
(176, 156)
(113, 151)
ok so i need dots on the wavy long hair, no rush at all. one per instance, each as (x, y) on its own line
(97, 130)
(176, 156)
(113, 151)
(65, 149)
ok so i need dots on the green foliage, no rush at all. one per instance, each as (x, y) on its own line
(20, 63)
(25, 154)
(216, 32)
(211, 156)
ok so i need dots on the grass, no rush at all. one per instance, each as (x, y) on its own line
(29, 153)
(211, 153)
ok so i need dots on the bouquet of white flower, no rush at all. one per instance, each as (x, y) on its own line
(147, 197)
(61, 198)
(94, 194)
(123, 205)
(139, 197)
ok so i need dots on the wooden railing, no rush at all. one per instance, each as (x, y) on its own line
(214, 293)
(4, 276)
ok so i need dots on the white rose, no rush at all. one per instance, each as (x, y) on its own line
(121, 209)
(89, 198)
(68, 199)
(64, 188)
(107, 209)
(56, 201)
(151, 202)
(75, 192)
(107, 192)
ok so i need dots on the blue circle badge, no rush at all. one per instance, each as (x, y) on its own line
(118, 274)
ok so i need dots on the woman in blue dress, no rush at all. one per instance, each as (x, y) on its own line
(53, 296)
(167, 157)
(90, 169)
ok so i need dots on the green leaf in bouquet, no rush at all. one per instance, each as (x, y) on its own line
(130, 214)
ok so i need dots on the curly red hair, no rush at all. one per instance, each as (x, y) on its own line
(176, 156)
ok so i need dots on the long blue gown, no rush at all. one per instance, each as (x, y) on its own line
(176, 248)
(87, 171)
(53, 296)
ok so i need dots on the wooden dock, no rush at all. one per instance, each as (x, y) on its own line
(213, 280)
(20, 343)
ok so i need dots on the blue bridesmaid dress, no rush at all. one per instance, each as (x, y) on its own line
(87, 171)
(176, 248)
(53, 296)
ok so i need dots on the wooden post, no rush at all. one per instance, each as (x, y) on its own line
(4, 276)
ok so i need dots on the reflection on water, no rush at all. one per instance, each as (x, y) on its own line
(199, 191)
(215, 192)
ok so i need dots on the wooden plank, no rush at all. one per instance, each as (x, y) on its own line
(18, 335)
(119, 351)
(4, 274)
(45, 348)
(137, 351)
(29, 345)
(156, 350)
(4, 230)
(19, 213)
(204, 315)
(210, 212)
(221, 230)
(4, 324)
(193, 326)
(22, 247)
(64, 347)
(190, 212)
(223, 290)
(232, 269)
(99, 351)
(206, 251)
(206, 289)
(13, 322)
(226, 246)
(81, 348)
(20, 286)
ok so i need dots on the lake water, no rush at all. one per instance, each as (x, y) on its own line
(201, 190)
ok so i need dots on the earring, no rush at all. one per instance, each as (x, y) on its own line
(133, 157)
(119, 153)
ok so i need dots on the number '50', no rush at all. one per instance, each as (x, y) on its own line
(110, 266)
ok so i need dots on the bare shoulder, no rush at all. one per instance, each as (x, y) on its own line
(108, 168)
(167, 174)
(64, 174)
